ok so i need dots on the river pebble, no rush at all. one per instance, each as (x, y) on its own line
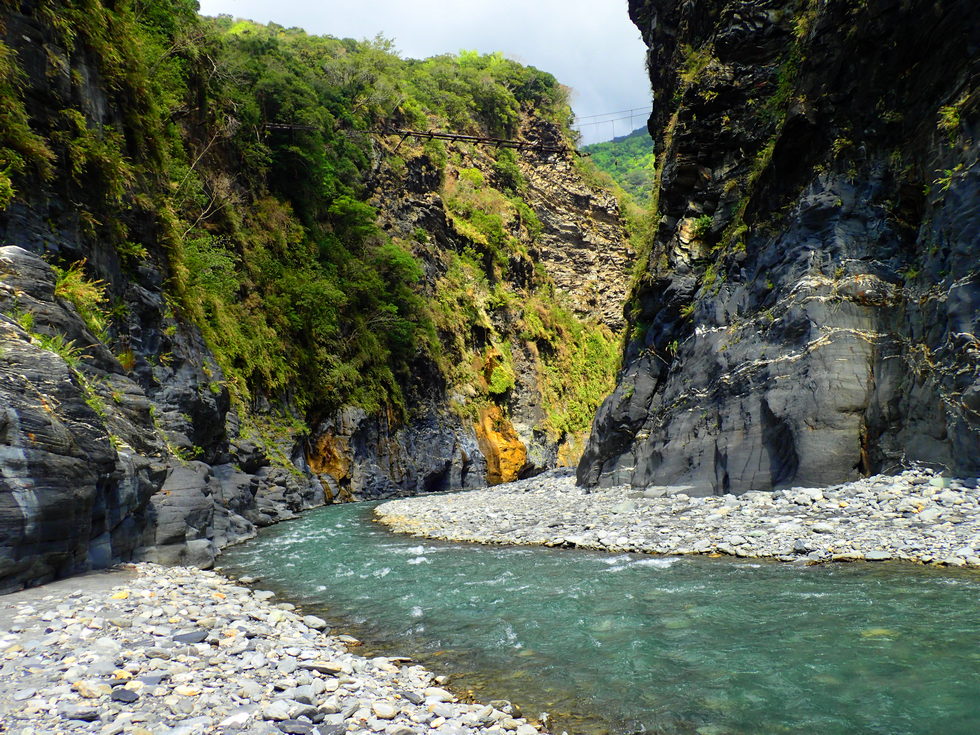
(175, 651)
(917, 516)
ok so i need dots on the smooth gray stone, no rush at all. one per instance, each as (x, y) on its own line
(120, 694)
(411, 696)
(84, 712)
(324, 729)
(295, 727)
(314, 622)
(196, 636)
(277, 710)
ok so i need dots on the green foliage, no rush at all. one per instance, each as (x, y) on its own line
(72, 355)
(269, 242)
(131, 252)
(87, 295)
(485, 215)
(527, 218)
(95, 157)
(945, 180)
(577, 368)
(22, 150)
(629, 160)
(474, 92)
(949, 119)
(25, 319)
(502, 376)
(507, 173)
(66, 349)
(702, 226)
(211, 267)
(6, 188)
(840, 145)
(693, 63)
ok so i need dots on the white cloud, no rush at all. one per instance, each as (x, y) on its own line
(589, 45)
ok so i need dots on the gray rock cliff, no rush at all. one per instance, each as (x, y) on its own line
(810, 303)
(86, 476)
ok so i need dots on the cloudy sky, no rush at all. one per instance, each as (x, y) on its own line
(589, 45)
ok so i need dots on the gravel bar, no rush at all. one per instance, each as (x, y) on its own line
(153, 650)
(917, 516)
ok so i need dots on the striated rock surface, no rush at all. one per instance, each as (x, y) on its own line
(808, 311)
(86, 476)
(583, 244)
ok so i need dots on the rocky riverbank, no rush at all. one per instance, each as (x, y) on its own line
(916, 516)
(177, 651)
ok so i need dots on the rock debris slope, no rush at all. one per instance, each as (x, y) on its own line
(808, 309)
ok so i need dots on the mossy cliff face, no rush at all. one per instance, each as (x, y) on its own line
(223, 300)
(808, 307)
(512, 257)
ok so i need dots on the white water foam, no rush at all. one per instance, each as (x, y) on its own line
(656, 563)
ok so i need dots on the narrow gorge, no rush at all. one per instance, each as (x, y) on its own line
(347, 391)
(225, 299)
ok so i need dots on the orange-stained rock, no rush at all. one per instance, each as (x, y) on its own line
(330, 455)
(571, 448)
(505, 453)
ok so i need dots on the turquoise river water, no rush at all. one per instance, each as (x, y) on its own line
(632, 643)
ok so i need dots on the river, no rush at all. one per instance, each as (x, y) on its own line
(629, 643)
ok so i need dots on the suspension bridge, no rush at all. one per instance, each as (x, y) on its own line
(552, 149)
(558, 149)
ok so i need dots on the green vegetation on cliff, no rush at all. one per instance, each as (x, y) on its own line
(240, 160)
(629, 160)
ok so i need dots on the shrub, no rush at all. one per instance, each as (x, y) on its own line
(701, 226)
(86, 295)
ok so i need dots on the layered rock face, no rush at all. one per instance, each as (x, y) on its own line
(583, 244)
(809, 309)
(86, 475)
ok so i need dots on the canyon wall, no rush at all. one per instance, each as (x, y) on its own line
(808, 308)
(213, 317)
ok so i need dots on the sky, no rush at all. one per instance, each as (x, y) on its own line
(589, 45)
